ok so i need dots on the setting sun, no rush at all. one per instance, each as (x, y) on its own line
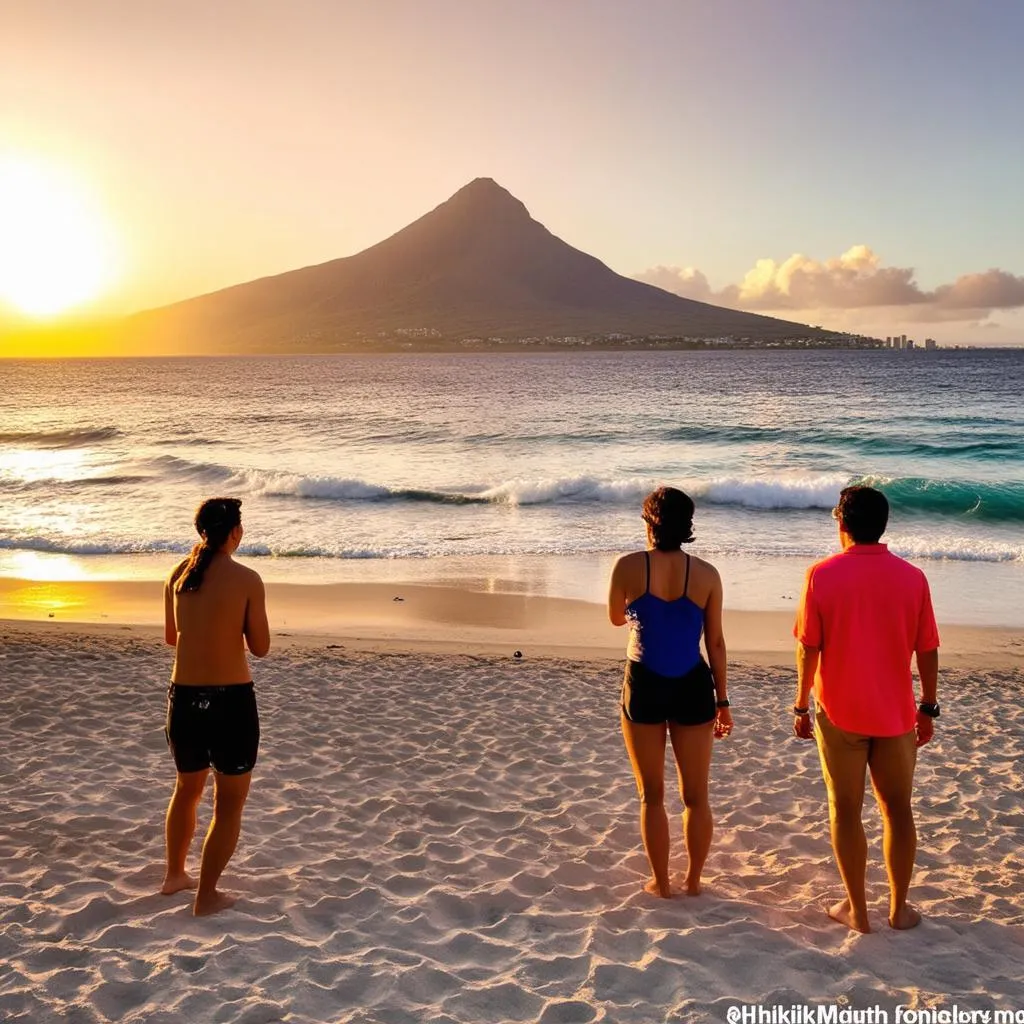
(56, 250)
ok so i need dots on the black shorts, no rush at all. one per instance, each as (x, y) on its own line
(651, 699)
(213, 727)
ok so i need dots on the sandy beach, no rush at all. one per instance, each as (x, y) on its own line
(439, 831)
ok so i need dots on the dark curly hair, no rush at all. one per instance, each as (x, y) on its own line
(863, 513)
(669, 514)
(215, 519)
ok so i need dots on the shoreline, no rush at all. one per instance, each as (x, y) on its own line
(964, 592)
(513, 346)
(418, 618)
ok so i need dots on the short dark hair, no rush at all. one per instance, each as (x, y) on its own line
(863, 513)
(669, 514)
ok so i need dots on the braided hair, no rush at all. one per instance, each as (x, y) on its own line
(215, 519)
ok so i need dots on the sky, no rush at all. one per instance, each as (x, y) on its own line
(858, 165)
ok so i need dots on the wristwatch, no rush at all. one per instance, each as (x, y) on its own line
(928, 708)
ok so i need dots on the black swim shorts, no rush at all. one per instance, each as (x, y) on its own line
(651, 699)
(213, 727)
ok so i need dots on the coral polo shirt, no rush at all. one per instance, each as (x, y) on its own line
(867, 611)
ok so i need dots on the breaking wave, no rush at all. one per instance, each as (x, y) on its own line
(977, 500)
(945, 548)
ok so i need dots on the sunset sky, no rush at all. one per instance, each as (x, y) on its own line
(854, 164)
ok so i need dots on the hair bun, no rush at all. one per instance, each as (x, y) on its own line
(668, 513)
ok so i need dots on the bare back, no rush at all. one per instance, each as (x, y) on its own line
(668, 577)
(668, 582)
(211, 626)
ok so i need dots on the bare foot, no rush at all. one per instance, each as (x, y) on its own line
(212, 904)
(906, 917)
(175, 883)
(693, 887)
(668, 891)
(843, 913)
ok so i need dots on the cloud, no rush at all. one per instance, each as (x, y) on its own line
(994, 289)
(686, 281)
(854, 281)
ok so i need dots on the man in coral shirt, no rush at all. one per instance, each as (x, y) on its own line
(863, 614)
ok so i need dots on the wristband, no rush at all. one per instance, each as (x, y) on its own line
(723, 703)
(929, 708)
(800, 712)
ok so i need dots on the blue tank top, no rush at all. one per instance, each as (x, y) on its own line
(664, 635)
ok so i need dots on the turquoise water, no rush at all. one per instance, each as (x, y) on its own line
(476, 456)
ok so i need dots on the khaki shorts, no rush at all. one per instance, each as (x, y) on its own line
(845, 756)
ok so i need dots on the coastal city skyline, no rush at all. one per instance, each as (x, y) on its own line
(848, 167)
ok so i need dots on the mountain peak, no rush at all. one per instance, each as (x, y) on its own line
(476, 266)
(486, 195)
(484, 187)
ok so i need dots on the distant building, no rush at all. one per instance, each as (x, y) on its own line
(929, 344)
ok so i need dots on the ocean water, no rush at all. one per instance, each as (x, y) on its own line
(528, 469)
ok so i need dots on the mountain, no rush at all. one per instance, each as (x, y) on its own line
(477, 266)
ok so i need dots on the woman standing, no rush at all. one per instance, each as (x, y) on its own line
(669, 599)
(213, 608)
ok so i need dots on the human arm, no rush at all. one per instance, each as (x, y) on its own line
(928, 670)
(926, 650)
(170, 626)
(714, 642)
(617, 594)
(806, 666)
(170, 620)
(257, 628)
(809, 635)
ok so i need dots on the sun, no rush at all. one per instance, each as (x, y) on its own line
(56, 248)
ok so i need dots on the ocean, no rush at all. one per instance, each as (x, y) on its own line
(521, 471)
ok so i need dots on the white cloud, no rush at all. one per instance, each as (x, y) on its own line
(854, 281)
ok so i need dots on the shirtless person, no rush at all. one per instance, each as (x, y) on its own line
(211, 604)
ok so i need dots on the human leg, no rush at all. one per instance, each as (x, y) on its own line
(180, 827)
(229, 795)
(645, 745)
(891, 763)
(844, 758)
(691, 745)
